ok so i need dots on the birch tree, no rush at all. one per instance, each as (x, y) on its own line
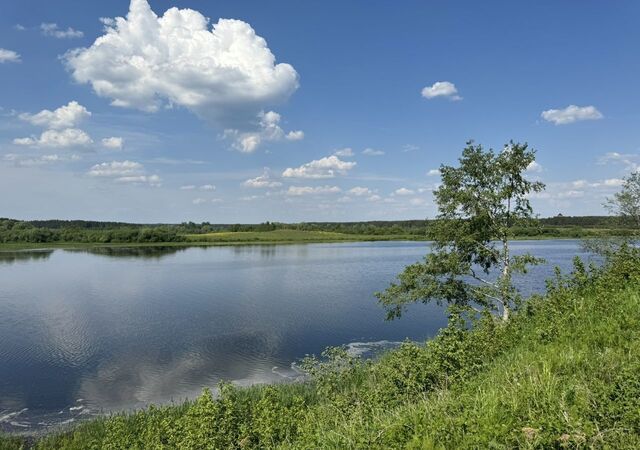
(471, 264)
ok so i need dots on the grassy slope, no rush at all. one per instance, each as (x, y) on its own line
(563, 373)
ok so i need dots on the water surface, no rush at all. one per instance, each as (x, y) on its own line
(84, 332)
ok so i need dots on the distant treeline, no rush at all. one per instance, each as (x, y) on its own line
(82, 231)
(16, 231)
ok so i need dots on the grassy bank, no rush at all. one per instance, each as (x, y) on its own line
(562, 373)
(225, 238)
(288, 237)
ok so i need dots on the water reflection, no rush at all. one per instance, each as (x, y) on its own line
(145, 252)
(11, 257)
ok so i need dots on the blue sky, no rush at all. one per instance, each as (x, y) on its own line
(301, 111)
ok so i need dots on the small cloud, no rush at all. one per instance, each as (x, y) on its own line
(262, 181)
(403, 191)
(188, 187)
(9, 56)
(444, 89)
(269, 131)
(69, 137)
(410, 148)
(295, 135)
(19, 27)
(571, 114)
(52, 30)
(374, 198)
(114, 143)
(124, 172)
(198, 201)
(631, 161)
(433, 173)
(327, 167)
(359, 191)
(22, 161)
(372, 152)
(534, 167)
(207, 187)
(116, 169)
(344, 152)
(308, 190)
(613, 182)
(66, 116)
(579, 184)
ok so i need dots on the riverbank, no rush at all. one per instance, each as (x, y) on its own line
(281, 237)
(561, 373)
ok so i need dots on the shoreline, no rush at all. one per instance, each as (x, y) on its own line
(7, 247)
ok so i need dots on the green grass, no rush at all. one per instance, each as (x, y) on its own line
(279, 236)
(294, 237)
(563, 373)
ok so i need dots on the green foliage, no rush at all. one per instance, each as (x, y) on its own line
(625, 204)
(479, 202)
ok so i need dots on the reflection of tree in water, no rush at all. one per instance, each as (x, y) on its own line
(10, 257)
(265, 250)
(131, 252)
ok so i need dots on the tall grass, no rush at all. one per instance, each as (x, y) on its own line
(563, 373)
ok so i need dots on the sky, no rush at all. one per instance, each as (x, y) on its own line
(246, 111)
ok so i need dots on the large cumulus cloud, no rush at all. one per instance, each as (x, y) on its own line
(225, 73)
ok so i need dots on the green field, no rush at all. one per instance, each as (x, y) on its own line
(562, 373)
(284, 236)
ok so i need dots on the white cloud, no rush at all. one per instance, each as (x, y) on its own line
(116, 169)
(114, 143)
(61, 127)
(308, 190)
(579, 184)
(69, 137)
(151, 180)
(201, 201)
(410, 148)
(359, 191)
(571, 114)
(613, 182)
(8, 56)
(534, 167)
(631, 161)
(417, 201)
(22, 161)
(19, 27)
(344, 152)
(403, 191)
(262, 181)
(124, 172)
(327, 167)
(207, 187)
(225, 74)
(372, 152)
(67, 116)
(374, 198)
(433, 173)
(188, 187)
(441, 89)
(570, 194)
(268, 130)
(52, 29)
(295, 135)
